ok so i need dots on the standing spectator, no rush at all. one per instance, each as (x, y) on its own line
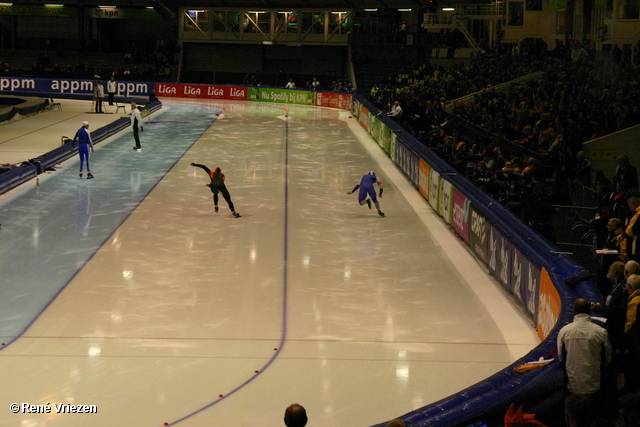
(290, 84)
(315, 84)
(620, 202)
(581, 347)
(98, 95)
(627, 172)
(136, 122)
(633, 229)
(615, 310)
(583, 169)
(632, 335)
(83, 139)
(295, 416)
(111, 88)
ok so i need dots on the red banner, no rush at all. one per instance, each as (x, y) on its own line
(179, 90)
(333, 100)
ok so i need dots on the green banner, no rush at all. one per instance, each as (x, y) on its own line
(286, 96)
(24, 10)
(558, 5)
(386, 139)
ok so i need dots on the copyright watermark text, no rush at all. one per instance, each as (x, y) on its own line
(52, 408)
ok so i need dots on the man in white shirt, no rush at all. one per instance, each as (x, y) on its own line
(584, 348)
(136, 122)
(111, 89)
(291, 84)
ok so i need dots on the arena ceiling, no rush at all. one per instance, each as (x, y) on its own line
(174, 5)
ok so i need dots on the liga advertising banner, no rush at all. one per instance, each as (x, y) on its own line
(423, 179)
(180, 90)
(460, 215)
(286, 96)
(478, 233)
(334, 100)
(549, 305)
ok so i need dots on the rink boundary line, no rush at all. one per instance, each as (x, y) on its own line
(285, 273)
(295, 340)
(342, 359)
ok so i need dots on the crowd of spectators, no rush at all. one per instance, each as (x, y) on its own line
(524, 144)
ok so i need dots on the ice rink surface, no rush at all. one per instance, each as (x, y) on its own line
(129, 293)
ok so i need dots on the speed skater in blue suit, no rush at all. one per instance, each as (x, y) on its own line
(367, 188)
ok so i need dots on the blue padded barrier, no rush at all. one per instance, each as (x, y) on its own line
(16, 176)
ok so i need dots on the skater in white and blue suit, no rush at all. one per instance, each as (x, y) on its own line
(83, 139)
(367, 188)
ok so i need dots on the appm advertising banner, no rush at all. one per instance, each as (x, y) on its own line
(55, 87)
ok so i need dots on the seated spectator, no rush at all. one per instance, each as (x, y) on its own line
(295, 416)
(395, 111)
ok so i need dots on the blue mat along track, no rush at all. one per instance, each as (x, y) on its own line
(50, 232)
